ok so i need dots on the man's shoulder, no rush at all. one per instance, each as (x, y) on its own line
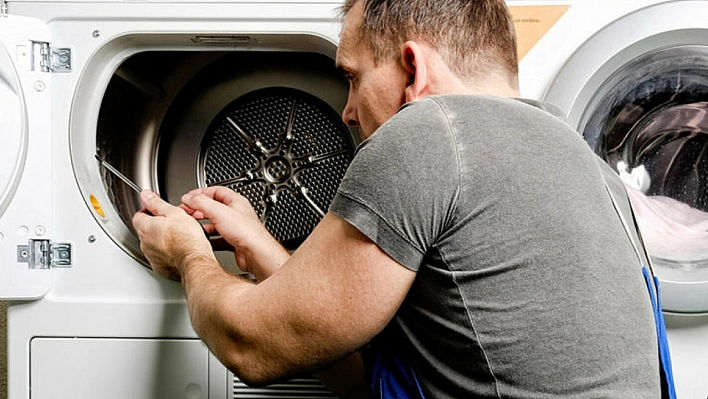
(484, 103)
(414, 121)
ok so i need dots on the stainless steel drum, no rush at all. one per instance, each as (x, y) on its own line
(283, 149)
(264, 123)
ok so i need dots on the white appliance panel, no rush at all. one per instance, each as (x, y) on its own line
(89, 368)
(26, 209)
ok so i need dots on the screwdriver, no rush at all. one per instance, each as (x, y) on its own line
(129, 182)
(119, 175)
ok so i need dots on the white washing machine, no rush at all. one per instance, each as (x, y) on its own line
(175, 95)
(179, 94)
(632, 76)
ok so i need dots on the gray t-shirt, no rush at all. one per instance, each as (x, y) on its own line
(527, 285)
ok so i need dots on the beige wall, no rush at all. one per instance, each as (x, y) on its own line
(3, 350)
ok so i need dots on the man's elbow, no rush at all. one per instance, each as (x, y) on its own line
(253, 371)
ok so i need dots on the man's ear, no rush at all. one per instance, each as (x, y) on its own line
(413, 59)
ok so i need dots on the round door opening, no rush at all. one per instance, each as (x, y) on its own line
(264, 123)
(649, 120)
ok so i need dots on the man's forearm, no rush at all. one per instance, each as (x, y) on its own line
(233, 321)
(305, 316)
(264, 258)
(213, 296)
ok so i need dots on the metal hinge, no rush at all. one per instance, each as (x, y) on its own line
(3, 8)
(43, 254)
(51, 59)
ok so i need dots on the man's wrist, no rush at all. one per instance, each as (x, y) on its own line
(192, 261)
(265, 258)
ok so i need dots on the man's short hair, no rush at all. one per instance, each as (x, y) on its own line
(474, 37)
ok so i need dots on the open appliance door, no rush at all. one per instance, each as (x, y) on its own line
(26, 252)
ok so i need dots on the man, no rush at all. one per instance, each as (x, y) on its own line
(472, 249)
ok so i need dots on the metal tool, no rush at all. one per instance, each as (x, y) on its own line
(133, 185)
(117, 173)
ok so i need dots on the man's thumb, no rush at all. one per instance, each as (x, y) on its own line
(153, 203)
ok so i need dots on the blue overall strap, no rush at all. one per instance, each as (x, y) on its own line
(389, 374)
(668, 389)
(667, 376)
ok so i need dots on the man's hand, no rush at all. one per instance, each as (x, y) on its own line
(232, 216)
(169, 237)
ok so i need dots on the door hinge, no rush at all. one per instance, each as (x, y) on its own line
(3, 8)
(44, 254)
(50, 59)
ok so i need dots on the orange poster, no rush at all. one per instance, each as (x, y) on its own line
(533, 22)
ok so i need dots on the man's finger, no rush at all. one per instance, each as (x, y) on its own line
(203, 205)
(195, 213)
(138, 219)
(221, 194)
(225, 195)
(154, 204)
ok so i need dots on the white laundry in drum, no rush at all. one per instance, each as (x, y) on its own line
(672, 229)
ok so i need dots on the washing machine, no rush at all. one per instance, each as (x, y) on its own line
(632, 77)
(175, 95)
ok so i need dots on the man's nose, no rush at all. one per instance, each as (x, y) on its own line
(349, 115)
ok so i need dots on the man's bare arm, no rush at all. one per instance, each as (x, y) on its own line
(333, 295)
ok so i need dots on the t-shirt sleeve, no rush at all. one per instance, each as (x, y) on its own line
(400, 188)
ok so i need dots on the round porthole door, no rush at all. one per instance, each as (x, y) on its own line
(650, 122)
(13, 128)
(641, 102)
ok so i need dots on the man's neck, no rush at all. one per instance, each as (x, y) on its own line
(492, 84)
